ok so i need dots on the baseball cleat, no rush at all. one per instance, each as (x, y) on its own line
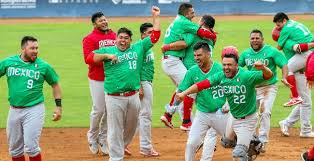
(150, 153)
(307, 135)
(305, 157)
(263, 148)
(186, 126)
(104, 149)
(93, 147)
(166, 120)
(284, 128)
(293, 101)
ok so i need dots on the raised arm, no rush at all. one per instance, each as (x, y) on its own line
(156, 23)
(267, 73)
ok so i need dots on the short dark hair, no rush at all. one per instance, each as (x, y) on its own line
(96, 15)
(184, 7)
(125, 30)
(209, 21)
(145, 26)
(25, 39)
(280, 16)
(201, 44)
(235, 57)
(257, 31)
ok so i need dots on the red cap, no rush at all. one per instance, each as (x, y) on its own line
(229, 50)
(275, 33)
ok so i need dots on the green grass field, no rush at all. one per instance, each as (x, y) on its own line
(60, 45)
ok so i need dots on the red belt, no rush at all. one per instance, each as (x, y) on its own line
(167, 56)
(125, 94)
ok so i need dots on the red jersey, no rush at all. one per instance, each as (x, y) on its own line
(93, 41)
(309, 72)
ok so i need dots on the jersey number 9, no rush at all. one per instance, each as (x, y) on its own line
(30, 84)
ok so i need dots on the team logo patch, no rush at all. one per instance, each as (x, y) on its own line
(265, 54)
(36, 65)
(238, 79)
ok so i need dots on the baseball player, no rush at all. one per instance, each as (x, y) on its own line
(309, 73)
(123, 64)
(208, 102)
(302, 111)
(25, 76)
(239, 88)
(207, 22)
(101, 36)
(308, 156)
(172, 60)
(298, 33)
(146, 96)
(266, 91)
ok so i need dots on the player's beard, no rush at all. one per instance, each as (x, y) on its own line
(32, 57)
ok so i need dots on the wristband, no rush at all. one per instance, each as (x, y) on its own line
(166, 47)
(58, 102)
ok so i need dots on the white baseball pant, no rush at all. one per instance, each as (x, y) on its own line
(302, 112)
(201, 124)
(297, 62)
(209, 145)
(122, 119)
(97, 132)
(175, 70)
(242, 128)
(265, 97)
(24, 128)
(145, 118)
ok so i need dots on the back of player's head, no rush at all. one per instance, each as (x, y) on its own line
(201, 45)
(230, 52)
(126, 31)
(209, 21)
(96, 15)
(184, 8)
(280, 16)
(257, 31)
(25, 39)
(145, 26)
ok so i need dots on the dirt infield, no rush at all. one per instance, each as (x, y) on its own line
(70, 144)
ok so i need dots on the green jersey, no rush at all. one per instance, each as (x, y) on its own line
(239, 90)
(288, 49)
(174, 33)
(191, 40)
(296, 32)
(124, 75)
(208, 100)
(268, 55)
(25, 80)
(147, 72)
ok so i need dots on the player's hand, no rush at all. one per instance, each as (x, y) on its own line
(180, 97)
(225, 108)
(310, 84)
(297, 48)
(155, 11)
(141, 93)
(113, 58)
(57, 114)
(286, 83)
(259, 65)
